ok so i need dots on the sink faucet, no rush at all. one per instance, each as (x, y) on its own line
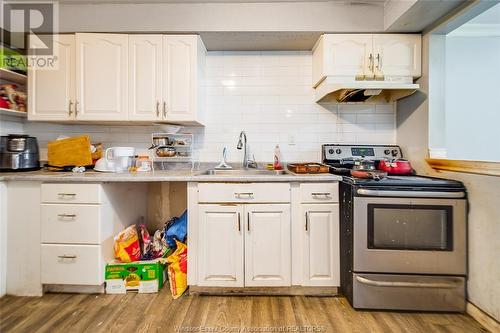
(242, 143)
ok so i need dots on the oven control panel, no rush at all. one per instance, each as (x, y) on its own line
(369, 152)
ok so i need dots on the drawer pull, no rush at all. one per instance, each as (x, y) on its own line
(64, 195)
(248, 195)
(68, 257)
(321, 195)
(67, 216)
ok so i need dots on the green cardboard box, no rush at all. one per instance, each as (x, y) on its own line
(140, 276)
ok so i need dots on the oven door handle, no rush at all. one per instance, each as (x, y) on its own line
(442, 284)
(410, 194)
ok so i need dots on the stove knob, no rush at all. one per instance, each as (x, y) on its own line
(331, 151)
(338, 151)
(387, 151)
(394, 152)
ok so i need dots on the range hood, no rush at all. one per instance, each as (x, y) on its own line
(331, 90)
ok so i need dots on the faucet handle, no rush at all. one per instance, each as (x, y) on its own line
(251, 162)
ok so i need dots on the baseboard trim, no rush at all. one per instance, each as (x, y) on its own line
(264, 291)
(73, 289)
(482, 317)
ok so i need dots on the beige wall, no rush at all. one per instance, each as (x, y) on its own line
(484, 197)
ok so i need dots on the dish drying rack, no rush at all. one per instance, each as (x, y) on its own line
(176, 138)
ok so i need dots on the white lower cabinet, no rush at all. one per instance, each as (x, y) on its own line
(244, 245)
(78, 223)
(267, 245)
(265, 235)
(320, 232)
(220, 246)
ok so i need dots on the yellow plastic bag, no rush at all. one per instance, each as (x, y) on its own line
(127, 247)
(177, 270)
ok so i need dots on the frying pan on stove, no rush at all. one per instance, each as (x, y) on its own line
(369, 174)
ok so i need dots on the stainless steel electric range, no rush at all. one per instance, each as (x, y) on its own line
(403, 238)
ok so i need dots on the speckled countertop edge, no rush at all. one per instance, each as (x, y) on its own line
(159, 176)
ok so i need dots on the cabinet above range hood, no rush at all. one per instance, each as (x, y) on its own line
(365, 67)
(330, 90)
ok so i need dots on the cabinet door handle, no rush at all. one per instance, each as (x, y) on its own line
(76, 108)
(70, 104)
(239, 222)
(248, 221)
(371, 63)
(378, 61)
(307, 221)
(157, 109)
(164, 109)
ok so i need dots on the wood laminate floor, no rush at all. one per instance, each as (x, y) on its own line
(191, 313)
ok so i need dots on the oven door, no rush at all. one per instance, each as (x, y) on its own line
(410, 235)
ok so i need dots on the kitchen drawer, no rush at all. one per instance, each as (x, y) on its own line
(244, 192)
(319, 192)
(74, 224)
(73, 193)
(72, 264)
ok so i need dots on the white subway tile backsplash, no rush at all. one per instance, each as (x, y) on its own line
(267, 94)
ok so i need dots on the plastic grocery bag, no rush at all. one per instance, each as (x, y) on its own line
(177, 270)
(127, 246)
(176, 230)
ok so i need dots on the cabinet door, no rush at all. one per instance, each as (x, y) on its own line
(179, 78)
(220, 246)
(398, 55)
(267, 245)
(101, 76)
(145, 79)
(347, 55)
(52, 91)
(321, 262)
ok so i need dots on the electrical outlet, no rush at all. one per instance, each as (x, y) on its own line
(291, 140)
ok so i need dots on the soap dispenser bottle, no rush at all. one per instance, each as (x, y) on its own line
(277, 158)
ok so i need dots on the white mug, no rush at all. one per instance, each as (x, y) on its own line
(121, 157)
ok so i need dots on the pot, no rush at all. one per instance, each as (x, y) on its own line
(369, 174)
(396, 167)
(165, 152)
(161, 141)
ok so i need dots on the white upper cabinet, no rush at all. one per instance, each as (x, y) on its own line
(343, 55)
(220, 246)
(119, 77)
(181, 66)
(268, 245)
(320, 245)
(348, 57)
(398, 55)
(145, 77)
(52, 91)
(101, 76)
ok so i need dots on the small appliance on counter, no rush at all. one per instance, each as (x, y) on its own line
(19, 152)
(403, 238)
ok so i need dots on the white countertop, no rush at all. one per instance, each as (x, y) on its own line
(185, 175)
